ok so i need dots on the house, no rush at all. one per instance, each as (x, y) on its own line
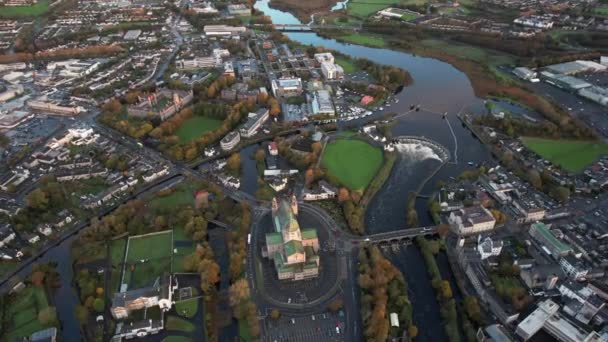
(6, 234)
(366, 100)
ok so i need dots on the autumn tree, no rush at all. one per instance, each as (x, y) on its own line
(38, 278)
(233, 163)
(336, 304)
(343, 195)
(275, 314)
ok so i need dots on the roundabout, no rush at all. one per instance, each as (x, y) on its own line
(295, 294)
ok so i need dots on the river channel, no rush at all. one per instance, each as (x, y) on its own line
(438, 88)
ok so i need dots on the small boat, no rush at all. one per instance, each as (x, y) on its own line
(412, 107)
(471, 163)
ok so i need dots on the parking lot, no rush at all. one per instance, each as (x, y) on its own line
(318, 327)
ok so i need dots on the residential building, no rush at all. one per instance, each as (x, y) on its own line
(471, 220)
(6, 234)
(541, 233)
(254, 122)
(230, 141)
(286, 87)
(294, 251)
(162, 104)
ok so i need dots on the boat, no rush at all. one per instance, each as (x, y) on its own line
(471, 163)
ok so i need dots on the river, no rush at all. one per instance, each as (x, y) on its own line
(438, 88)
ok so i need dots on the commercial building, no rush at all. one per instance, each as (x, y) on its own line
(254, 122)
(197, 63)
(293, 251)
(571, 68)
(595, 94)
(524, 73)
(239, 9)
(546, 239)
(44, 104)
(547, 317)
(564, 81)
(471, 220)
(230, 141)
(162, 104)
(286, 87)
(223, 30)
(322, 104)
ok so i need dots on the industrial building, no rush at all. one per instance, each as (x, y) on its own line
(524, 73)
(223, 30)
(595, 94)
(571, 68)
(564, 81)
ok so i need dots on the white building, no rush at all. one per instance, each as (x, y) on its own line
(322, 104)
(488, 247)
(324, 57)
(331, 71)
(230, 141)
(223, 30)
(524, 73)
(239, 9)
(197, 63)
(254, 122)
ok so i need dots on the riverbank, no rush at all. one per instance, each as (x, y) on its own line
(303, 10)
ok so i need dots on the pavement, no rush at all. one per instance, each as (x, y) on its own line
(326, 326)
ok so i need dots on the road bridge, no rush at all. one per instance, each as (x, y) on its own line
(307, 27)
(398, 236)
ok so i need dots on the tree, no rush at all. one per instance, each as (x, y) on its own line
(81, 313)
(446, 290)
(309, 177)
(37, 199)
(412, 331)
(238, 292)
(38, 278)
(234, 163)
(99, 291)
(336, 304)
(534, 178)
(275, 314)
(443, 230)
(343, 195)
(471, 307)
(260, 154)
(562, 194)
(99, 304)
(47, 316)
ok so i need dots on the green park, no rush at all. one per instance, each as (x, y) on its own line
(148, 256)
(22, 316)
(572, 155)
(195, 127)
(36, 10)
(353, 162)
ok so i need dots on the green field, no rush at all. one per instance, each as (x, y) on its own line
(354, 163)
(22, 315)
(180, 197)
(187, 308)
(155, 252)
(179, 237)
(363, 39)
(601, 10)
(178, 324)
(177, 339)
(196, 126)
(365, 8)
(347, 64)
(572, 155)
(36, 10)
(117, 254)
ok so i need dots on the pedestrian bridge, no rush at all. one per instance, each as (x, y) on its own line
(399, 236)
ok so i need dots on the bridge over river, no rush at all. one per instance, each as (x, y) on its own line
(398, 236)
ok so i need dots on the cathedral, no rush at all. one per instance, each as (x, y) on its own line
(293, 250)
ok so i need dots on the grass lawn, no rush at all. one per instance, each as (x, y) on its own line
(364, 39)
(179, 324)
(180, 197)
(156, 250)
(25, 11)
(183, 245)
(365, 8)
(23, 313)
(353, 162)
(244, 333)
(572, 155)
(177, 339)
(601, 10)
(194, 127)
(469, 52)
(187, 308)
(347, 64)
